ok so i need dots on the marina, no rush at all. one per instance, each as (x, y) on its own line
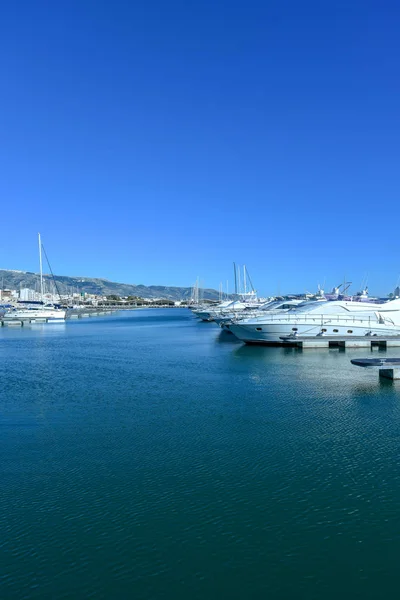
(172, 428)
(317, 320)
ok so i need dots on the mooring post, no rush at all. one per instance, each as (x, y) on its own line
(389, 373)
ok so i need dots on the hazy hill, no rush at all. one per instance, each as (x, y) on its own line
(25, 279)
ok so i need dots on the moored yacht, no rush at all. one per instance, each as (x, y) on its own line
(235, 307)
(271, 306)
(246, 298)
(36, 312)
(227, 317)
(335, 318)
(204, 312)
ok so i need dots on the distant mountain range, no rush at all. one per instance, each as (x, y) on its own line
(15, 280)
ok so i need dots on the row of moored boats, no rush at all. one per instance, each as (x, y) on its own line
(284, 319)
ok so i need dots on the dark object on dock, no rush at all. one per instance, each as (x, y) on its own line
(389, 368)
(376, 362)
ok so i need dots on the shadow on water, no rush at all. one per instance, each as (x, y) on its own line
(262, 352)
(226, 337)
(375, 387)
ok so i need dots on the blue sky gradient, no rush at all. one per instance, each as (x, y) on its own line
(154, 142)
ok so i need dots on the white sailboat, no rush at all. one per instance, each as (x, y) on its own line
(39, 311)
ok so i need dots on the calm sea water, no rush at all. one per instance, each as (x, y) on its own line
(150, 456)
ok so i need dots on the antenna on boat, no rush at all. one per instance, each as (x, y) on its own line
(346, 286)
(364, 282)
(250, 281)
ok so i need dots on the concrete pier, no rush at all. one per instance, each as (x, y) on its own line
(389, 373)
(313, 344)
(7, 321)
(372, 342)
(354, 344)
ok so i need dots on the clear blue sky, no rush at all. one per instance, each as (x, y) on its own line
(151, 142)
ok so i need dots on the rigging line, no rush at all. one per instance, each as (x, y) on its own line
(54, 279)
(249, 278)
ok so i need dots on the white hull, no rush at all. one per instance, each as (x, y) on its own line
(204, 316)
(273, 332)
(50, 315)
(341, 319)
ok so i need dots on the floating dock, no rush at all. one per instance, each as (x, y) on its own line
(21, 322)
(335, 342)
(389, 368)
(10, 322)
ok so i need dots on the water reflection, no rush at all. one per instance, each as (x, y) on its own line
(226, 337)
(324, 371)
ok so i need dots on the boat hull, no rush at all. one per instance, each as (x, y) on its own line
(49, 315)
(272, 333)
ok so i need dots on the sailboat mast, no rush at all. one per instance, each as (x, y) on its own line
(41, 267)
(245, 278)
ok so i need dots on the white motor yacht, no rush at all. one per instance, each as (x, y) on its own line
(271, 306)
(226, 317)
(335, 318)
(246, 298)
(233, 307)
(204, 312)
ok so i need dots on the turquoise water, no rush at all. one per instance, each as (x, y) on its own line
(147, 455)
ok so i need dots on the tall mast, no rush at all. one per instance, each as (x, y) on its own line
(244, 278)
(234, 271)
(41, 267)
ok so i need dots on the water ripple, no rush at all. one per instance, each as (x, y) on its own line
(145, 457)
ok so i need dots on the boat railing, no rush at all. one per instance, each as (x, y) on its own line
(321, 319)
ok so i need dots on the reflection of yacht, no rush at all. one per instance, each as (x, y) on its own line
(335, 318)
